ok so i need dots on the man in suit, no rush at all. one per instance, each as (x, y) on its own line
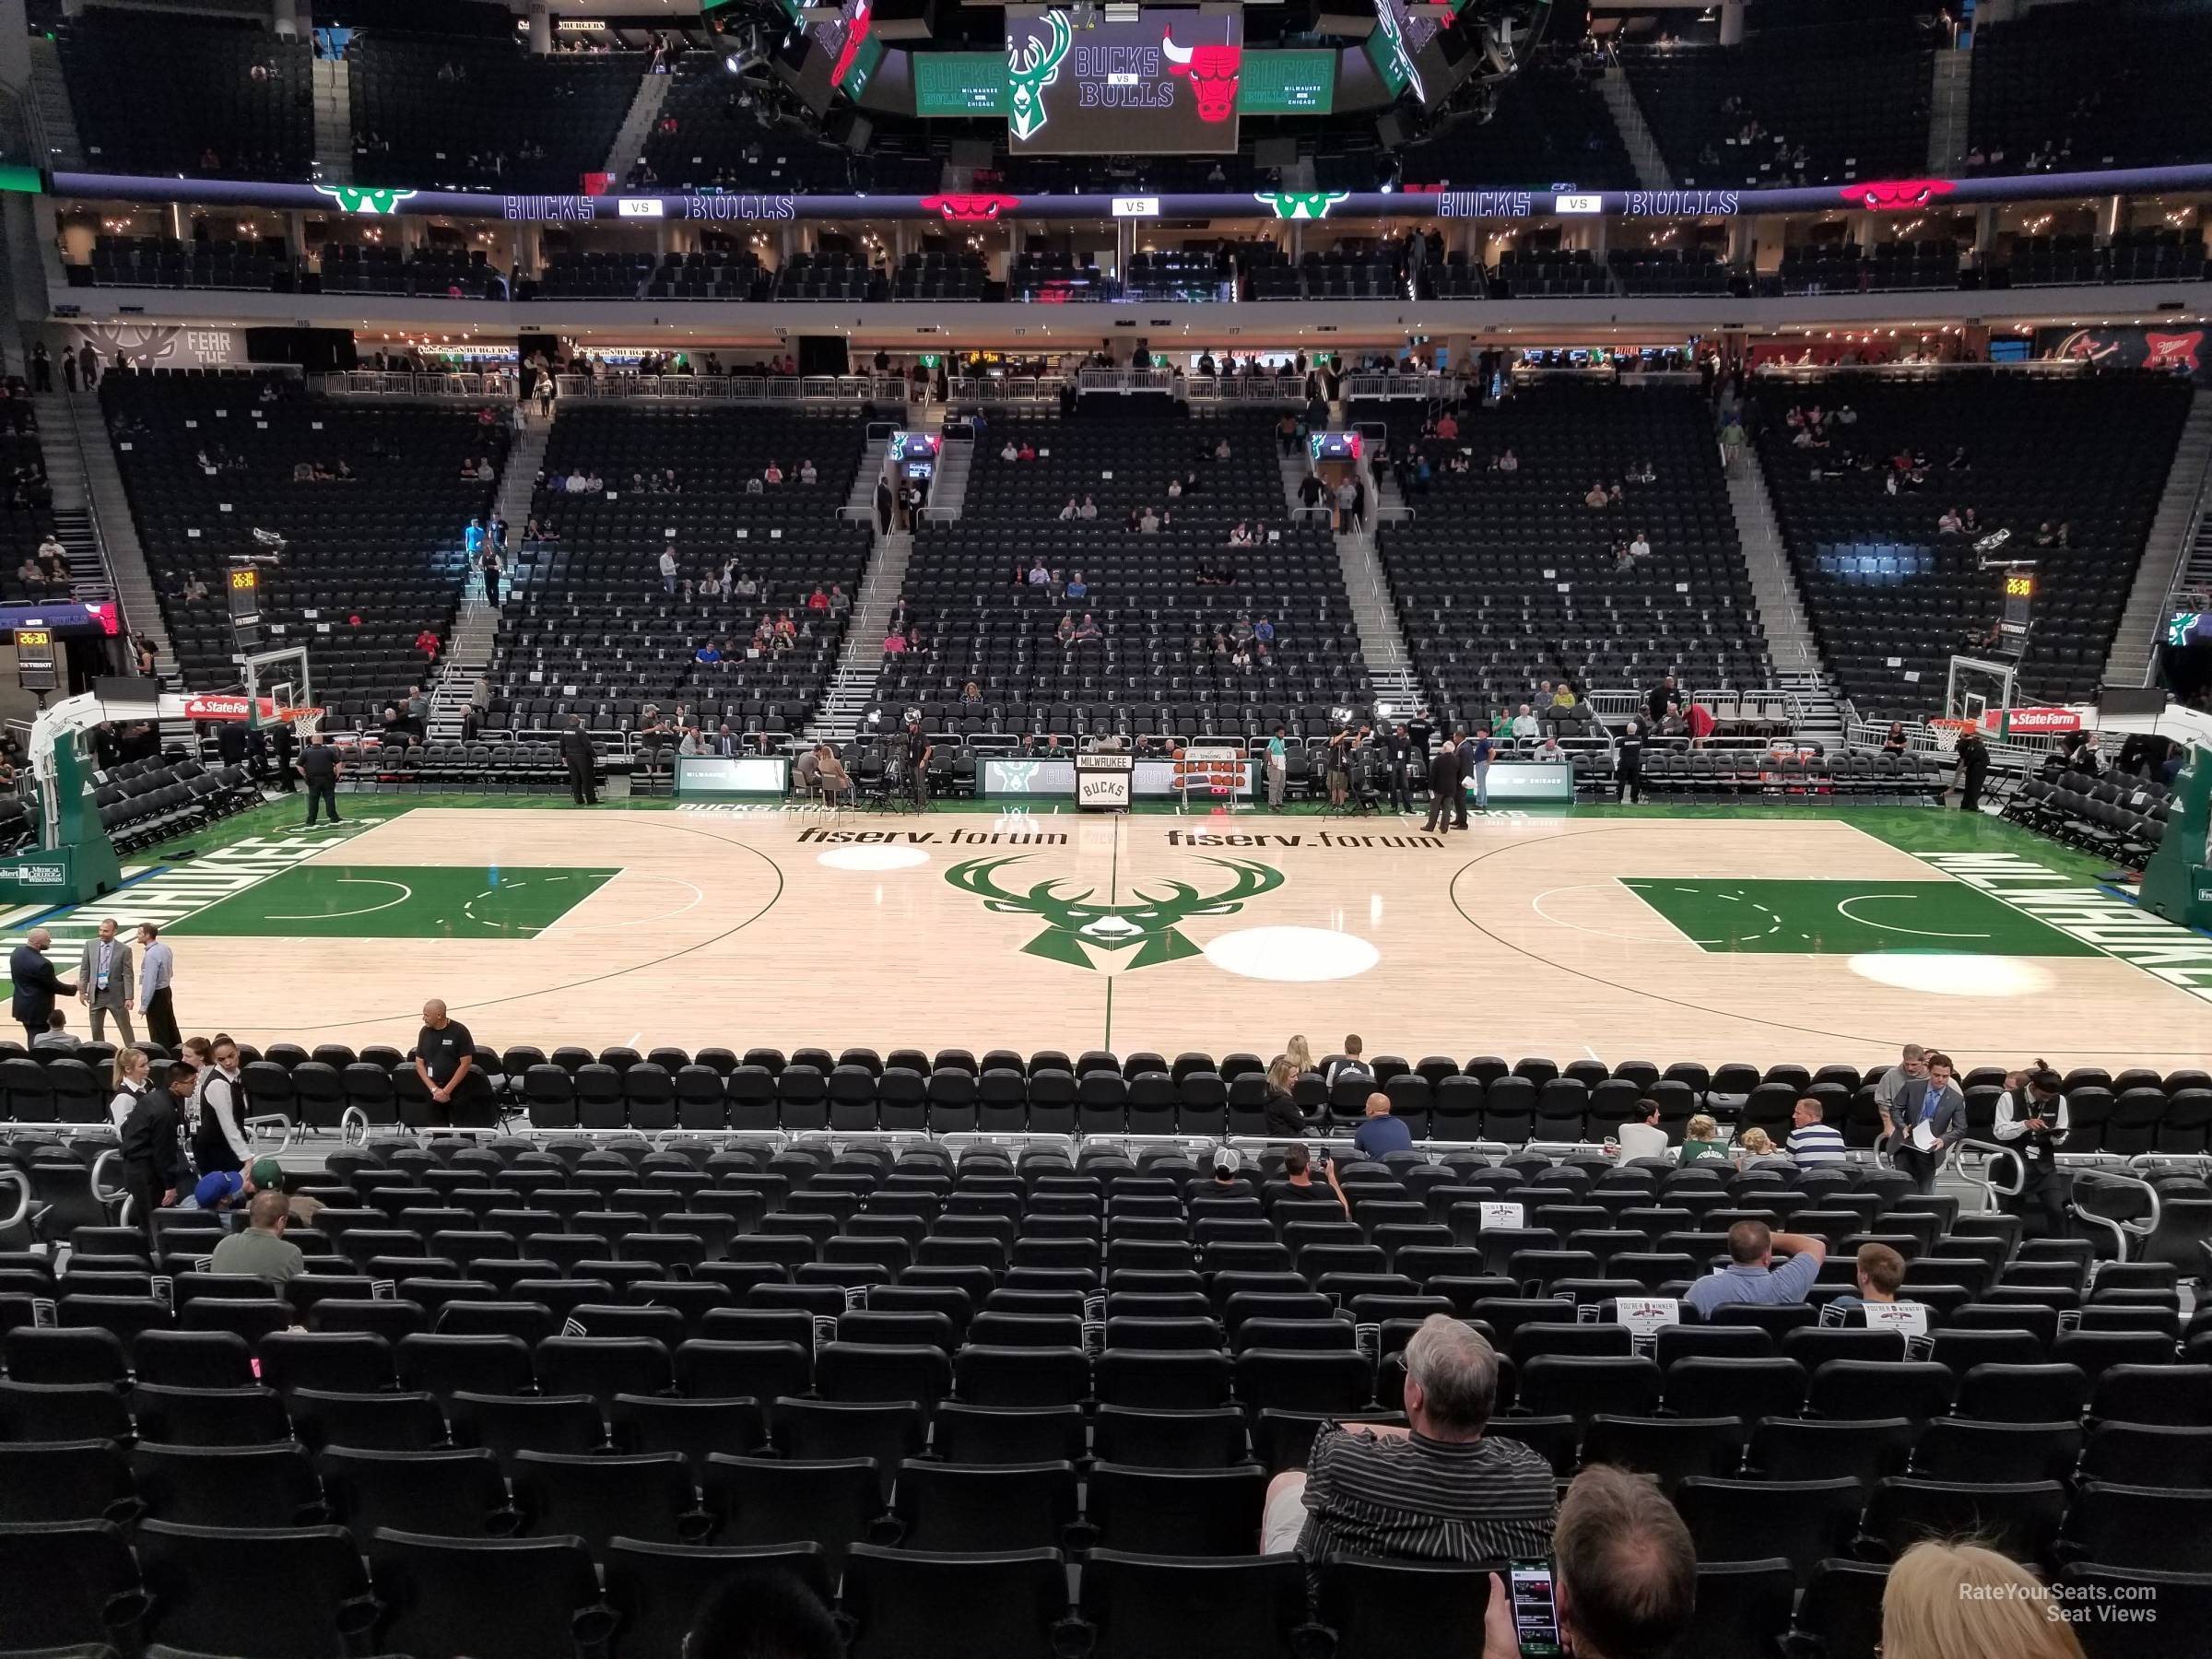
(1444, 788)
(1925, 1122)
(576, 755)
(36, 984)
(1397, 751)
(103, 980)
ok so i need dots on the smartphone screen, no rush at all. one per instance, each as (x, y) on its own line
(1535, 1623)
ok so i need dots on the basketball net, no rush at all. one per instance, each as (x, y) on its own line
(1946, 731)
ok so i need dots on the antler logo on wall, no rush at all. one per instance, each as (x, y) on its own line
(1212, 72)
(1301, 204)
(1150, 926)
(143, 346)
(355, 198)
(1031, 66)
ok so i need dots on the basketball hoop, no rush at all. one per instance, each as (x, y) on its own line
(1946, 733)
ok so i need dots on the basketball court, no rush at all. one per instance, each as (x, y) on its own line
(1653, 933)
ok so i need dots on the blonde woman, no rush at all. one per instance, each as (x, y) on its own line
(1284, 1118)
(130, 1085)
(1300, 1055)
(1756, 1146)
(1701, 1142)
(1959, 1601)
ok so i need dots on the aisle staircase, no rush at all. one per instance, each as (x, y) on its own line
(334, 122)
(1791, 644)
(1950, 90)
(2177, 554)
(93, 523)
(50, 97)
(637, 126)
(1376, 612)
(476, 626)
(853, 687)
(1635, 132)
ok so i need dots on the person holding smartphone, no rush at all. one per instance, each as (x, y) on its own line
(1620, 1580)
(1440, 1488)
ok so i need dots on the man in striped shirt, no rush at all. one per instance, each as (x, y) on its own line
(1813, 1141)
(1440, 1490)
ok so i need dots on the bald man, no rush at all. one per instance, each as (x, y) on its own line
(37, 984)
(444, 1053)
(1379, 1132)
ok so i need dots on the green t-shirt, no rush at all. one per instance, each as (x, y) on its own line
(262, 1255)
(1695, 1152)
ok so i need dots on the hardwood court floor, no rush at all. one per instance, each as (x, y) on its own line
(1664, 933)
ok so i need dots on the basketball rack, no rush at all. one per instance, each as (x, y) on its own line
(1218, 772)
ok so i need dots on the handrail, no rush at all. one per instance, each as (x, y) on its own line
(22, 1185)
(2181, 569)
(100, 1166)
(2121, 1232)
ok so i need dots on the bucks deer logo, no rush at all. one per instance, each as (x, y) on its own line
(1031, 66)
(355, 198)
(1151, 927)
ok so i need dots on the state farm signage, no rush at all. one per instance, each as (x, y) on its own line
(2034, 720)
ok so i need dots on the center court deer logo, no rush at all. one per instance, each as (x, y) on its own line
(1151, 927)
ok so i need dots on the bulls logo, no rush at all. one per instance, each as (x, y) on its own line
(863, 19)
(1212, 72)
(1897, 195)
(970, 209)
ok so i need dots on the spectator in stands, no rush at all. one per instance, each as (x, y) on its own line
(1751, 1276)
(1068, 509)
(1911, 1063)
(807, 472)
(1525, 726)
(32, 574)
(1924, 1120)
(1701, 1142)
(1814, 1142)
(1878, 1271)
(56, 1034)
(1640, 1136)
(223, 1189)
(1945, 1600)
(1148, 522)
(1379, 1132)
(261, 1249)
(1282, 1114)
(1624, 1573)
(1596, 496)
(1662, 700)
(1086, 630)
(668, 571)
(1641, 547)
(1437, 1489)
(1065, 632)
(1755, 1150)
(1009, 452)
(1349, 1065)
(2032, 1120)
(1089, 510)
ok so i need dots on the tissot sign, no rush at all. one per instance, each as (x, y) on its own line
(1164, 84)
